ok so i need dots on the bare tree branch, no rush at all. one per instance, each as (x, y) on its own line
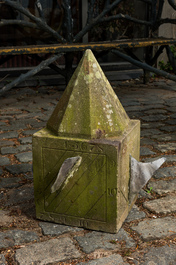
(94, 21)
(165, 21)
(30, 73)
(144, 65)
(38, 21)
(146, 1)
(172, 3)
(24, 23)
(160, 9)
(68, 21)
(90, 11)
(126, 17)
(40, 9)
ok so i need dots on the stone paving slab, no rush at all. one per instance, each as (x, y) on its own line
(115, 259)
(16, 237)
(19, 168)
(25, 140)
(15, 150)
(5, 219)
(24, 157)
(56, 229)
(10, 183)
(165, 172)
(2, 260)
(135, 214)
(164, 205)
(144, 151)
(165, 255)
(156, 228)
(166, 147)
(163, 186)
(48, 252)
(6, 143)
(19, 195)
(4, 161)
(99, 240)
(8, 135)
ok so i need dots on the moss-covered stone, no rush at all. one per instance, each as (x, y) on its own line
(88, 122)
(89, 108)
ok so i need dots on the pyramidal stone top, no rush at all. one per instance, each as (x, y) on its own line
(89, 107)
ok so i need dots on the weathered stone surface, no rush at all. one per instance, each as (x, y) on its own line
(48, 252)
(135, 214)
(156, 111)
(2, 260)
(14, 150)
(159, 117)
(94, 206)
(16, 237)
(20, 236)
(149, 132)
(169, 158)
(24, 157)
(156, 228)
(151, 125)
(29, 132)
(168, 128)
(9, 183)
(145, 194)
(164, 137)
(100, 111)
(173, 116)
(20, 195)
(165, 255)
(163, 186)
(165, 172)
(25, 140)
(171, 122)
(147, 141)
(171, 102)
(164, 205)
(6, 143)
(89, 198)
(8, 135)
(55, 229)
(97, 240)
(144, 108)
(114, 259)
(144, 151)
(4, 161)
(5, 219)
(166, 147)
(19, 168)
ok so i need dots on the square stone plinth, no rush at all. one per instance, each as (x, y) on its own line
(96, 197)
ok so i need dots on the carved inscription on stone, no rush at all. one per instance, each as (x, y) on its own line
(85, 194)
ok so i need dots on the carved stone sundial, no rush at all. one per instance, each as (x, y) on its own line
(81, 160)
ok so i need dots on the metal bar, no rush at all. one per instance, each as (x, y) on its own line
(55, 48)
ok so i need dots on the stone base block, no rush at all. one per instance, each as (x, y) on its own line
(96, 197)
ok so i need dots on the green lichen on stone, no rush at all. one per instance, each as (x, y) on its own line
(89, 108)
(88, 122)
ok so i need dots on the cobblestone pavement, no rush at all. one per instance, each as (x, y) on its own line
(147, 237)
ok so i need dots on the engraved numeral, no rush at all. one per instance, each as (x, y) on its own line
(112, 192)
(83, 223)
